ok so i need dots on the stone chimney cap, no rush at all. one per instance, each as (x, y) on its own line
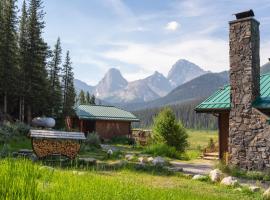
(244, 14)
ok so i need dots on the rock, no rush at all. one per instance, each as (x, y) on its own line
(142, 160)
(254, 188)
(215, 175)
(158, 161)
(199, 177)
(150, 159)
(266, 194)
(229, 181)
(110, 152)
(129, 157)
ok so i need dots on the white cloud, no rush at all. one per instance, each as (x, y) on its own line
(209, 53)
(172, 26)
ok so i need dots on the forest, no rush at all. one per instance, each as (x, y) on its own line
(35, 79)
(184, 112)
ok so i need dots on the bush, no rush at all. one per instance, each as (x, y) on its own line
(167, 130)
(92, 140)
(162, 150)
(122, 140)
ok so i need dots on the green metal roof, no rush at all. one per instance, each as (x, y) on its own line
(220, 100)
(100, 112)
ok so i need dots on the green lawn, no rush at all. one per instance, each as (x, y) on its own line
(24, 180)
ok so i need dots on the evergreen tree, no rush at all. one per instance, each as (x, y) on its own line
(54, 78)
(69, 93)
(93, 100)
(167, 129)
(8, 51)
(88, 98)
(23, 59)
(37, 90)
(82, 99)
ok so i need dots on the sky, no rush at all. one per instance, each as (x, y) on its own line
(139, 37)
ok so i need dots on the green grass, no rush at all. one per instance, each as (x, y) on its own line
(23, 180)
(198, 140)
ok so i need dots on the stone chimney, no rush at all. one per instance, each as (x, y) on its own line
(245, 82)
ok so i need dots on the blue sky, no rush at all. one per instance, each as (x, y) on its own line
(142, 36)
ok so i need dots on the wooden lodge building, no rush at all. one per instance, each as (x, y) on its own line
(107, 121)
(243, 107)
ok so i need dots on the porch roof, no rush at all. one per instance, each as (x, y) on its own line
(220, 100)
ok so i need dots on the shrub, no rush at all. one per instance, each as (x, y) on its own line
(167, 130)
(122, 140)
(162, 150)
(92, 140)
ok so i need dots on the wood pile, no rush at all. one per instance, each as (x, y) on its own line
(141, 137)
(46, 147)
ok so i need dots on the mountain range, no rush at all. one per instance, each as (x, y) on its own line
(158, 90)
(114, 88)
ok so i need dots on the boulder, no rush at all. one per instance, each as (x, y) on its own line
(142, 160)
(266, 194)
(150, 159)
(215, 175)
(199, 177)
(158, 161)
(229, 181)
(129, 157)
(254, 188)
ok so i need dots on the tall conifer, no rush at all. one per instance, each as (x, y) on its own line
(54, 78)
(69, 93)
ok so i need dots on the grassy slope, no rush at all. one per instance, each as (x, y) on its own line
(23, 180)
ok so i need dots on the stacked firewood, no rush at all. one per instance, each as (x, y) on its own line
(46, 147)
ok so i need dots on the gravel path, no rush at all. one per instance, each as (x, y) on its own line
(202, 168)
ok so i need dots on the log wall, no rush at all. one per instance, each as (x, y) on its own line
(109, 129)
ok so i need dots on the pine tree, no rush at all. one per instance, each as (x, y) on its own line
(37, 52)
(88, 98)
(8, 51)
(23, 59)
(82, 99)
(54, 78)
(69, 93)
(93, 100)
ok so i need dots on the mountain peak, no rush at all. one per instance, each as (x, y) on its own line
(183, 71)
(112, 81)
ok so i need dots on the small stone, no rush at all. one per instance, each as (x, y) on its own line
(158, 161)
(129, 157)
(254, 188)
(142, 160)
(215, 175)
(229, 181)
(150, 159)
(199, 177)
(266, 194)
(110, 152)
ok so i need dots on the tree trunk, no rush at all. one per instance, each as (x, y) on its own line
(22, 116)
(29, 114)
(5, 103)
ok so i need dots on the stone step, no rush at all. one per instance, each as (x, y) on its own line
(214, 154)
(210, 158)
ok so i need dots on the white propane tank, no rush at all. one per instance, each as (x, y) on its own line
(46, 122)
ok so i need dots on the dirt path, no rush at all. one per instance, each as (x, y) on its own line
(202, 167)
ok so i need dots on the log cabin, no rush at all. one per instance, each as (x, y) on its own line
(243, 106)
(106, 121)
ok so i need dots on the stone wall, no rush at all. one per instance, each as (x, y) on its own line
(249, 147)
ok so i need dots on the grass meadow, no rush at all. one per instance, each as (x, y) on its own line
(21, 179)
